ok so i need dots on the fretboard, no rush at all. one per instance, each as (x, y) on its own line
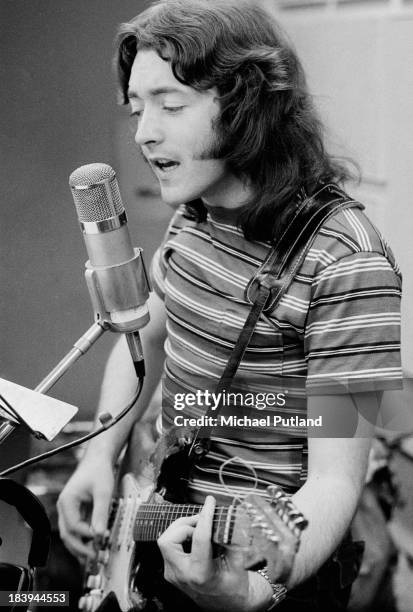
(153, 519)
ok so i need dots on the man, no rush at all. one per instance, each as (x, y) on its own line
(225, 120)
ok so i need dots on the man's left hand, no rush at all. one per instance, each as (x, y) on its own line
(214, 584)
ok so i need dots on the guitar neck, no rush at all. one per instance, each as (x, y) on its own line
(153, 519)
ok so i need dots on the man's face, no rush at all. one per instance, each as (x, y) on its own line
(175, 132)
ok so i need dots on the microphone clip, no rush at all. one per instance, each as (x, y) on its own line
(119, 294)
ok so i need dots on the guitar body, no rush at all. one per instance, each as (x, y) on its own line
(116, 564)
(128, 574)
(128, 571)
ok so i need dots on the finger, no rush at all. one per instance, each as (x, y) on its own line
(70, 519)
(235, 558)
(182, 521)
(175, 536)
(79, 549)
(74, 543)
(101, 503)
(202, 536)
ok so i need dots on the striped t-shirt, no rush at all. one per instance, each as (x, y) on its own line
(337, 325)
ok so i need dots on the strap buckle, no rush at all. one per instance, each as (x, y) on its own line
(268, 280)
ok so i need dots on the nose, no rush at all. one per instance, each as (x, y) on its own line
(148, 130)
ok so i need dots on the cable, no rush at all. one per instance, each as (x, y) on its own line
(107, 422)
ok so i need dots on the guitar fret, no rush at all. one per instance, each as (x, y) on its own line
(255, 524)
(221, 520)
(153, 519)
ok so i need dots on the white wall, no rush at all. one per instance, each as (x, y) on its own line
(358, 62)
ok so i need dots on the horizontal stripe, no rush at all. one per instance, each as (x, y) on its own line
(354, 266)
(334, 352)
(361, 374)
(355, 295)
(219, 340)
(221, 246)
(357, 322)
(214, 268)
(341, 237)
(341, 310)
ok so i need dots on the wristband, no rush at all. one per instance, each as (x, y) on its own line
(279, 591)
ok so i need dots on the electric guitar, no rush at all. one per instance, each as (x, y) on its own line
(266, 529)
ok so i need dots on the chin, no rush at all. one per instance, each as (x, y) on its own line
(171, 201)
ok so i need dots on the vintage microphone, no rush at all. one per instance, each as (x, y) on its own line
(119, 289)
(115, 272)
(116, 279)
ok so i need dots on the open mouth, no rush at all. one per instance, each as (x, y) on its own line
(166, 165)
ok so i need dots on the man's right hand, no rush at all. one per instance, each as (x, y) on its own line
(90, 485)
(93, 482)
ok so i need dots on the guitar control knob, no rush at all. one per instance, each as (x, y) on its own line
(94, 581)
(103, 556)
(105, 539)
(86, 603)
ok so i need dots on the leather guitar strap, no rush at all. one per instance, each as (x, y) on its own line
(271, 281)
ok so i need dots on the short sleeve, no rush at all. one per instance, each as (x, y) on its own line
(159, 263)
(157, 273)
(352, 332)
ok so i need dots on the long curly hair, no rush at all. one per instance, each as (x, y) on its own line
(269, 131)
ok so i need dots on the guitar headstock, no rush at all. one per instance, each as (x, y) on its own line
(274, 532)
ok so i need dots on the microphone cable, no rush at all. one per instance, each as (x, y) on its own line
(106, 420)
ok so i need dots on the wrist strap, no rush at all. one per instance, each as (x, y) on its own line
(279, 591)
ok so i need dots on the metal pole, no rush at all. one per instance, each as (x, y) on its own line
(80, 347)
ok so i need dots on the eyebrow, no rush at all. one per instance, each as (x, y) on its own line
(155, 92)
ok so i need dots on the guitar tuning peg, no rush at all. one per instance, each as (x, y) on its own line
(273, 489)
(294, 512)
(260, 522)
(94, 581)
(263, 525)
(268, 532)
(274, 492)
(301, 523)
(273, 538)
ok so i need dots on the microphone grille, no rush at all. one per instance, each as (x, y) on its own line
(95, 192)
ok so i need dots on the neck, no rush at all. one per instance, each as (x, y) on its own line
(232, 194)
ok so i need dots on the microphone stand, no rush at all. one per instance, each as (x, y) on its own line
(80, 347)
(20, 497)
(100, 282)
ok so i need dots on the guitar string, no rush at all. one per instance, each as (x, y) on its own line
(227, 488)
(151, 530)
(151, 525)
